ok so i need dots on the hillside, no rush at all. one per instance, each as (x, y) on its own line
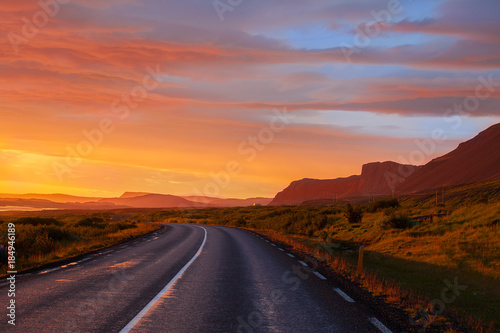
(475, 160)
(372, 181)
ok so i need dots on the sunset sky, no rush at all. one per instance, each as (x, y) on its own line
(102, 97)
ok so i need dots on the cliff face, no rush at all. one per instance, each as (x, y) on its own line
(473, 161)
(373, 180)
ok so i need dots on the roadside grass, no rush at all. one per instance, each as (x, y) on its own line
(42, 240)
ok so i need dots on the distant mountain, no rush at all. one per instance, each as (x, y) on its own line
(228, 202)
(472, 161)
(56, 197)
(126, 200)
(208, 201)
(133, 194)
(47, 204)
(153, 201)
(372, 181)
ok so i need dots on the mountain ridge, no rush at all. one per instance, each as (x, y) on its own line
(474, 160)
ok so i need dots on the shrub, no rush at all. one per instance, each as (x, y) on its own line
(38, 221)
(353, 215)
(92, 222)
(241, 222)
(394, 220)
(383, 204)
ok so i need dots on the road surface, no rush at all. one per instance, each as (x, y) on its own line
(187, 278)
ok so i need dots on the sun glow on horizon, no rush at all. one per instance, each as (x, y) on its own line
(161, 101)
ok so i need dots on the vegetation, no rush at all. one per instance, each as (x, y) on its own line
(396, 220)
(40, 240)
(459, 239)
(413, 244)
(353, 215)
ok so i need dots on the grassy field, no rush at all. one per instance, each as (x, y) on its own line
(44, 239)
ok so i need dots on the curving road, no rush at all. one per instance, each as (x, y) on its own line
(186, 278)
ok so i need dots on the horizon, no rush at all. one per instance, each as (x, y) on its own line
(239, 101)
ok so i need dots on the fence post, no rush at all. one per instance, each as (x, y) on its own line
(360, 258)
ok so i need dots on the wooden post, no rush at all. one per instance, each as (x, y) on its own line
(360, 258)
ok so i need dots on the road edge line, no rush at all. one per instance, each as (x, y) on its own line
(148, 307)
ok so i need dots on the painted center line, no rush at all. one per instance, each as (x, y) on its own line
(344, 295)
(160, 295)
(273, 244)
(320, 276)
(379, 325)
(281, 249)
(290, 255)
(302, 263)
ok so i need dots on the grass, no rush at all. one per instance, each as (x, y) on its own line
(42, 240)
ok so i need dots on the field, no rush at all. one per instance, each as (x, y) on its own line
(44, 239)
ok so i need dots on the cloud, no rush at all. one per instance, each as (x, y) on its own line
(222, 79)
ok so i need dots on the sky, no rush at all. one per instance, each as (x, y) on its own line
(236, 98)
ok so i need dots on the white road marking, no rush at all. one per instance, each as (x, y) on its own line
(107, 252)
(379, 325)
(281, 249)
(267, 241)
(290, 255)
(50, 270)
(320, 276)
(85, 259)
(148, 307)
(273, 244)
(302, 263)
(124, 246)
(344, 295)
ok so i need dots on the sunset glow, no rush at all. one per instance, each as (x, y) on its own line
(98, 98)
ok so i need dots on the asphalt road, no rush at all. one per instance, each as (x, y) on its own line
(187, 278)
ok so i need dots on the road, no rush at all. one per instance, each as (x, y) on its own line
(187, 278)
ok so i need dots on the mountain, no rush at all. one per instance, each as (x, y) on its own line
(153, 201)
(133, 194)
(47, 204)
(210, 201)
(472, 161)
(126, 200)
(56, 197)
(229, 202)
(372, 181)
